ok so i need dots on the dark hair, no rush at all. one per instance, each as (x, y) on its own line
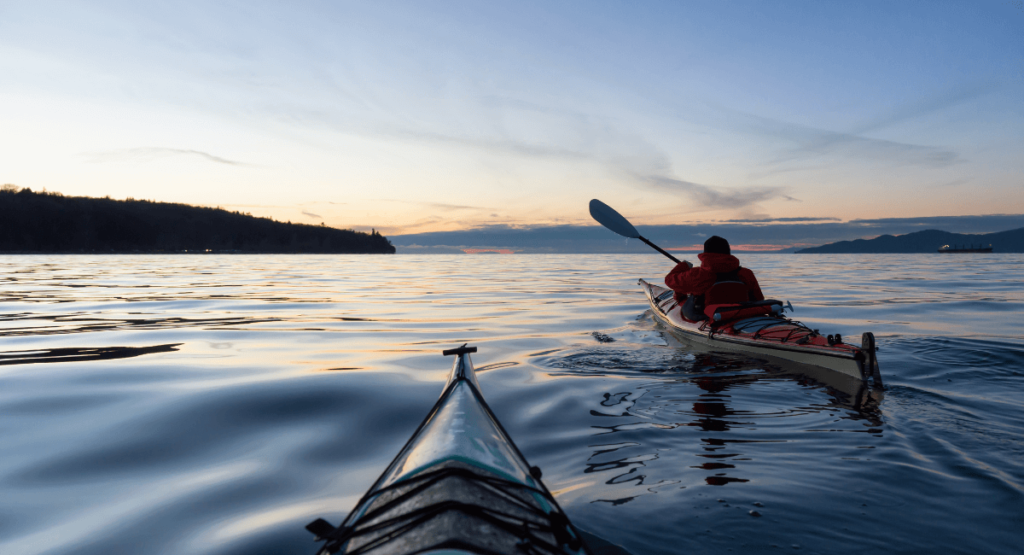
(717, 245)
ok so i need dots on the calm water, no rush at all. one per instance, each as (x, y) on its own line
(217, 404)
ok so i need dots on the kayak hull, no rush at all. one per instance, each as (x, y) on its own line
(776, 337)
(460, 485)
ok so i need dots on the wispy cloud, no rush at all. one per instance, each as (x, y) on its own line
(622, 154)
(554, 133)
(813, 145)
(710, 197)
(437, 205)
(961, 224)
(807, 144)
(941, 101)
(152, 153)
(311, 215)
(819, 143)
(779, 220)
(502, 145)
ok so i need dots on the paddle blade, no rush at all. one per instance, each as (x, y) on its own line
(608, 217)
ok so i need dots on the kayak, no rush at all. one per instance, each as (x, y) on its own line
(772, 335)
(458, 486)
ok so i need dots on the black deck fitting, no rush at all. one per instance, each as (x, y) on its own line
(459, 350)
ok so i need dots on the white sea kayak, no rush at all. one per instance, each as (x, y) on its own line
(769, 335)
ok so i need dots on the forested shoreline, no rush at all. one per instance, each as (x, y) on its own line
(46, 222)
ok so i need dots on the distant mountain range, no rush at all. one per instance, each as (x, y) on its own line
(33, 222)
(766, 235)
(927, 241)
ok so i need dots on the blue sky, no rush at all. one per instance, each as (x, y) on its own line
(430, 116)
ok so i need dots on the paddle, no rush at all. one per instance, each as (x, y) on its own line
(608, 217)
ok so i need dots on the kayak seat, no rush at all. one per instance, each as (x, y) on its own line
(727, 290)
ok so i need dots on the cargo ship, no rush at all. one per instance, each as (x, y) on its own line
(961, 248)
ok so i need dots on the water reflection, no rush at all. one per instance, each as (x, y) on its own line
(703, 418)
(73, 354)
(235, 441)
(12, 325)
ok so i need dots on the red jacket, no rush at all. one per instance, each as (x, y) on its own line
(697, 280)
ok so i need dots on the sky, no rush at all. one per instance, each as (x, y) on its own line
(430, 116)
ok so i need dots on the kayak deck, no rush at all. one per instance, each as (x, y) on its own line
(458, 486)
(775, 336)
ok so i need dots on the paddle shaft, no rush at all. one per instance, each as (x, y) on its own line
(657, 248)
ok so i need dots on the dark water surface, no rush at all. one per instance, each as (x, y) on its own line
(216, 404)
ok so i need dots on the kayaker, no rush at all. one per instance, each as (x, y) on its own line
(718, 280)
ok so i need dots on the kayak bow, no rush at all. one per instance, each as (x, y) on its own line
(775, 336)
(458, 486)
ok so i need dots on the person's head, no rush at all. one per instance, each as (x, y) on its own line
(717, 245)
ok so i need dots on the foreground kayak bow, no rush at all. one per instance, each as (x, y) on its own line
(458, 486)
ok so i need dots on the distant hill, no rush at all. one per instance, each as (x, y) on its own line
(927, 241)
(52, 223)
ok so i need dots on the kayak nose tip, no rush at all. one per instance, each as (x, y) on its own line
(462, 368)
(459, 350)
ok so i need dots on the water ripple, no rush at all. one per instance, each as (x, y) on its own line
(275, 389)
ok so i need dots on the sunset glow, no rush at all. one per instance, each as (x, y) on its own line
(496, 251)
(412, 117)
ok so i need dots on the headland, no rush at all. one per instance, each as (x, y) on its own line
(44, 223)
